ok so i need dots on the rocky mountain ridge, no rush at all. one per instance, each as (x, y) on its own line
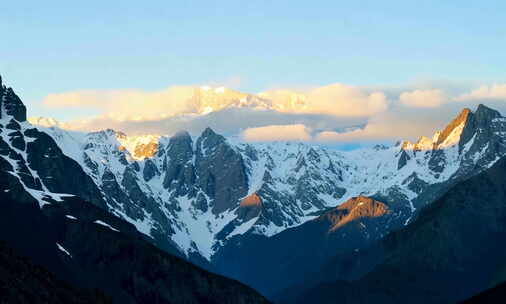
(199, 192)
(54, 214)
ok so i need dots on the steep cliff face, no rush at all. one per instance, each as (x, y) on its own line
(36, 159)
(11, 104)
(221, 171)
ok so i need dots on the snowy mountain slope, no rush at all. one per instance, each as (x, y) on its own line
(33, 158)
(55, 214)
(199, 192)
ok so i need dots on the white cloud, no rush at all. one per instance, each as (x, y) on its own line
(165, 111)
(342, 100)
(322, 114)
(420, 112)
(423, 98)
(395, 125)
(495, 91)
(277, 132)
(128, 104)
(336, 99)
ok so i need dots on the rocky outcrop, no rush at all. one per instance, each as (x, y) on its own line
(250, 207)
(354, 209)
(150, 170)
(11, 104)
(221, 171)
(403, 159)
(481, 120)
(178, 166)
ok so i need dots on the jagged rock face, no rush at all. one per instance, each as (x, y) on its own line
(403, 160)
(150, 170)
(221, 171)
(11, 104)
(461, 120)
(178, 165)
(449, 136)
(479, 120)
(57, 172)
(36, 159)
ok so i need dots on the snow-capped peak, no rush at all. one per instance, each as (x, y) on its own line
(140, 146)
(448, 137)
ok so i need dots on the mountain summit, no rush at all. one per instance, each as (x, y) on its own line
(11, 104)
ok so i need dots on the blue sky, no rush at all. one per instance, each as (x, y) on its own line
(58, 46)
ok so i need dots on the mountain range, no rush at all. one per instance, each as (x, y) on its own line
(450, 252)
(297, 222)
(67, 247)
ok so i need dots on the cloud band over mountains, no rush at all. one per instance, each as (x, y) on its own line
(335, 113)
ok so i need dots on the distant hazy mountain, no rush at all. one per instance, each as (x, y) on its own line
(193, 103)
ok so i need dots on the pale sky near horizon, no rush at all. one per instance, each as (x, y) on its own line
(60, 46)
